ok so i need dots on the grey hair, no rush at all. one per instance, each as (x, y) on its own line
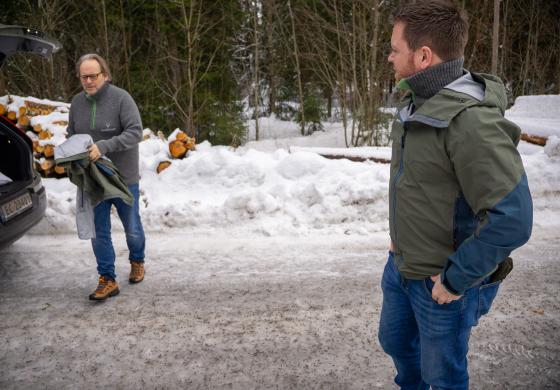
(100, 60)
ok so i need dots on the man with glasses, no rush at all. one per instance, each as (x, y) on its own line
(110, 116)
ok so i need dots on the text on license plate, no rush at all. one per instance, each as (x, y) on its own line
(15, 207)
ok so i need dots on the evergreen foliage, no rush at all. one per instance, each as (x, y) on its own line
(188, 63)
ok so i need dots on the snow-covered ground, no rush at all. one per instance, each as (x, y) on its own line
(278, 186)
(263, 271)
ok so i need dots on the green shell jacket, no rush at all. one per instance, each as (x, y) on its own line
(95, 181)
(459, 201)
(100, 180)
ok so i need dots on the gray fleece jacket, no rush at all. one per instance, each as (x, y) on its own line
(112, 119)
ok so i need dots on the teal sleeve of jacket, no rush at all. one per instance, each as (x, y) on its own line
(482, 146)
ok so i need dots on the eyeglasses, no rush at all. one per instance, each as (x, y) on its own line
(92, 77)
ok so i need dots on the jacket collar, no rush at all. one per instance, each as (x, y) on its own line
(100, 93)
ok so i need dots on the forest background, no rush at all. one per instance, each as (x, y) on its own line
(208, 67)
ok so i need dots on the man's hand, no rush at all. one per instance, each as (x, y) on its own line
(94, 153)
(440, 293)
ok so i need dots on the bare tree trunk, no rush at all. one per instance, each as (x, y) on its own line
(125, 48)
(356, 100)
(373, 82)
(495, 37)
(476, 38)
(526, 66)
(256, 70)
(558, 61)
(271, 50)
(105, 30)
(341, 74)
(298, 69)
(504, 35)
(188, 20)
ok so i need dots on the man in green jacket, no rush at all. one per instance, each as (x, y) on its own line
(459, 201)
(109, 115)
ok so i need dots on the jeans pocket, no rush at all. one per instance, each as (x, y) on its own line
(428, 285)
(486, 295)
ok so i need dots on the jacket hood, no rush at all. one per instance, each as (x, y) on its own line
(471, 89)
(487, 89)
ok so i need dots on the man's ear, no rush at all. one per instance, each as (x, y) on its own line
(425, 57)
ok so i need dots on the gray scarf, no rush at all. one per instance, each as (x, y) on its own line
(427, 83)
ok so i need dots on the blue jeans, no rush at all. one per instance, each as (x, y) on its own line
(428, 342)
(102, 243)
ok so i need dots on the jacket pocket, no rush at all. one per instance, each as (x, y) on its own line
(486, 295)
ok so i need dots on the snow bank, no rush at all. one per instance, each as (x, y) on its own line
(263, 188)
(268, 193)
(536, 115)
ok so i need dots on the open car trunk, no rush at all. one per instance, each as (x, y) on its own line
(23, 199)
(18, 39)
(15, 158)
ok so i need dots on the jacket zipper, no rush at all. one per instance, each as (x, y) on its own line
(397, 176)
(93, 111)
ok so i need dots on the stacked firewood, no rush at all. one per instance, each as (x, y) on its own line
(179, 143)
(45, 124)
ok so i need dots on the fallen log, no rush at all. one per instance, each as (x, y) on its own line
(360, 154)
(355, 158)
(534, 139)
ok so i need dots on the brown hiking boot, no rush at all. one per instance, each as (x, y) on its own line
(106, 288)
(136, 272)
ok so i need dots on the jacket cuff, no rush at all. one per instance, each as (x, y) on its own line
(101, 145)
(448, 287)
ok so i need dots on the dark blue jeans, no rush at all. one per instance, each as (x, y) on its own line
(102, 243)
(428, 342)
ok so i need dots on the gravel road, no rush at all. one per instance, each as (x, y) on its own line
(220, 312)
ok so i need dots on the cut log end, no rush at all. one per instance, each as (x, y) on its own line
(59, 170)
(45, 134)
(23, 121)
(177, 149)
(47, 164)
(162, 166)
(48, 150)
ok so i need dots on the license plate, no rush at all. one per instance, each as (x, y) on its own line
(15, 207)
